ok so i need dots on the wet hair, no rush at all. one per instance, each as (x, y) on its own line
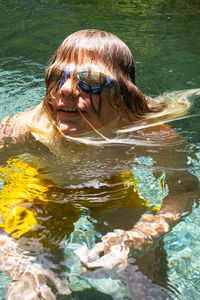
(111, 55)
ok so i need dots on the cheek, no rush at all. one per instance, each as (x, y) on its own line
(109, 109)
(106, 100)
(95, 100)
(113, 101)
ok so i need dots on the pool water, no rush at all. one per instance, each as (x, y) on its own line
(79, 207)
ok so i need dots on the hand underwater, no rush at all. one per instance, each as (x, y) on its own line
(115, 248)
(116, 245)
(29, 280)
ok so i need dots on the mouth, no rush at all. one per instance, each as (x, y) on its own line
(68, 109)
(67, 113)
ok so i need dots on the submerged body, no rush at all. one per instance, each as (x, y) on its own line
(103, 183)
(88, 98)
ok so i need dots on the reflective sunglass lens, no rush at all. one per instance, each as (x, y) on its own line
(60, 84)
(88, 81)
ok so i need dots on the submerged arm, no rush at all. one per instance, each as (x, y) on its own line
(183, 191)
(117, 245)
(152, 226)
(29, 280)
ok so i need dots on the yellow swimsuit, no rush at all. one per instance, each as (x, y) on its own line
(22, 186)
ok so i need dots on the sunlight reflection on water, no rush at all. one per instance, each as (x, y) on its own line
(164, 38)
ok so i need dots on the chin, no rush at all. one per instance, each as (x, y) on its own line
(68, 129)
(73, 132)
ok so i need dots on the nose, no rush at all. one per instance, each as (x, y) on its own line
(68, 89)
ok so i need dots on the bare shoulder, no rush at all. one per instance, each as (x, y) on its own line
(13, 129)
(159, 132)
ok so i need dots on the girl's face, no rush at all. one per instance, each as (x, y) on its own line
(66, 102)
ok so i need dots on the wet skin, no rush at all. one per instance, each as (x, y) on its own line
(65, 102)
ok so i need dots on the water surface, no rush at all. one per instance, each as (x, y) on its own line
(92, 200)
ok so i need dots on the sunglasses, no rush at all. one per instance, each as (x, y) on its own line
(89, 81)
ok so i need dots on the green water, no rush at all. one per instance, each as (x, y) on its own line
(164, 37)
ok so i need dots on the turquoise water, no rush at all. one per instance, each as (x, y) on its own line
(164, 38)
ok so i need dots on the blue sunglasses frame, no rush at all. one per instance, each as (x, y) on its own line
(110, 82)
